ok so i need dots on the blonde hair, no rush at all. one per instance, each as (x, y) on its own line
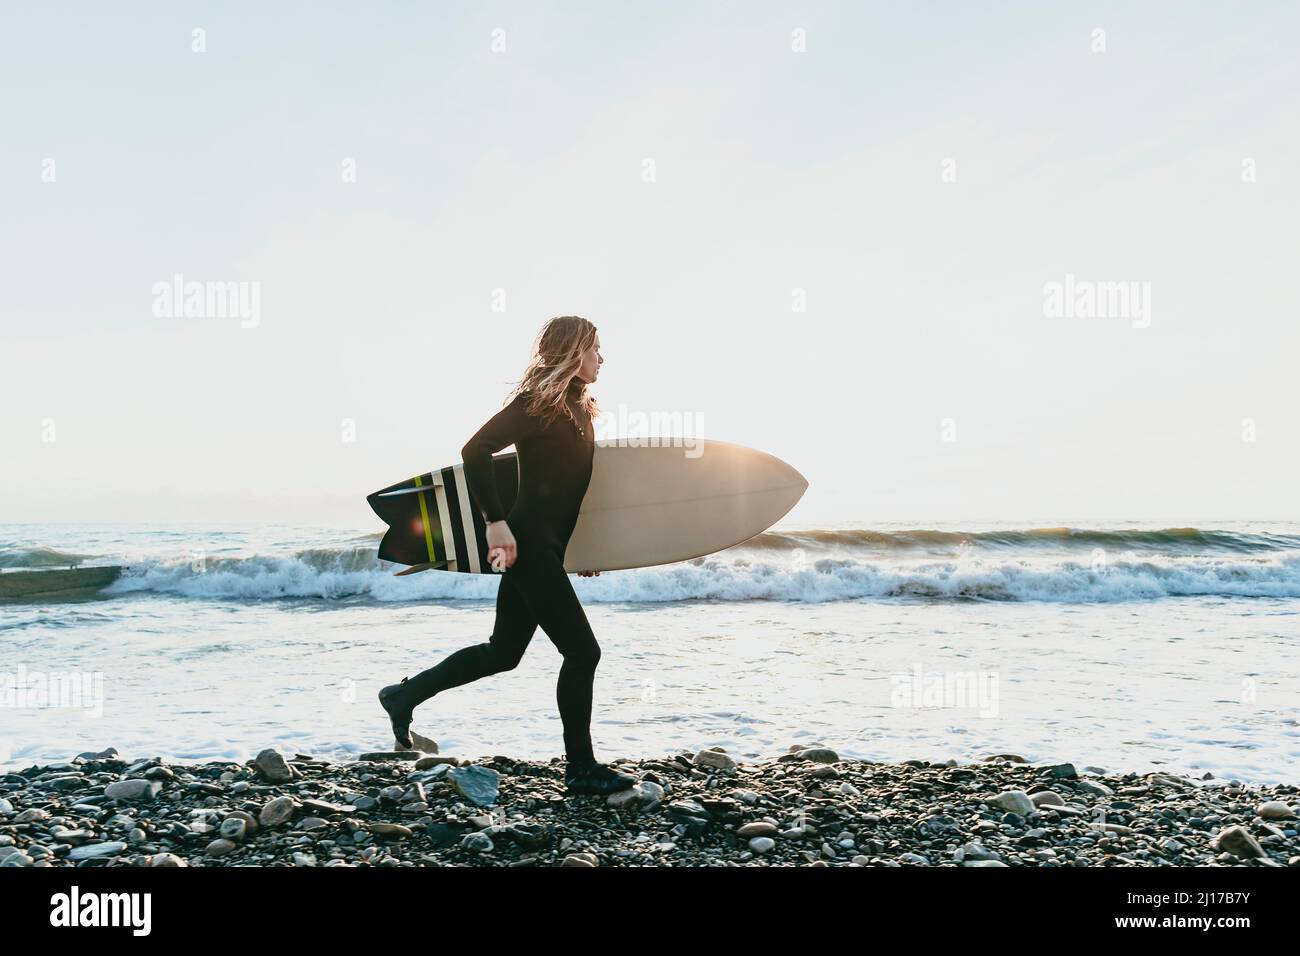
(557, 354)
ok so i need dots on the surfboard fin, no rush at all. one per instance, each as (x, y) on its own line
(427, 566)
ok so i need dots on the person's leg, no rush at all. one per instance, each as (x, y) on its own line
(546, 587)
(513, 630)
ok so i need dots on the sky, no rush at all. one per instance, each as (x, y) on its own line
(824, 230)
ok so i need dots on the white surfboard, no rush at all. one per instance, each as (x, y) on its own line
(646, 504)
(655, 505)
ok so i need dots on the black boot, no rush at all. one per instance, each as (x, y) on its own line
(394, 703)
(588, 776)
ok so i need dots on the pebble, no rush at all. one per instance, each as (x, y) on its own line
(1238, 841)
(789, 809)
(270, 763)
(94, 851)
(1013, 801)
(276, 811)
(715, 758)
(133, 789)
(232, 828)
(477, 784)
(1275, 810)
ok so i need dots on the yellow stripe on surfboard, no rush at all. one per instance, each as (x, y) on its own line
(424, 517)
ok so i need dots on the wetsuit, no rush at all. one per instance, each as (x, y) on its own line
(554, 471)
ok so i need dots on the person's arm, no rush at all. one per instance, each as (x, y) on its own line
(504, 428)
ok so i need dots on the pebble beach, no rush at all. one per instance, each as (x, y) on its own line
(804, 807)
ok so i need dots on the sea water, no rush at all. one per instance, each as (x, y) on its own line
(1119, 646)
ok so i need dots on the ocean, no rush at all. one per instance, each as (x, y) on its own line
(1121, 646)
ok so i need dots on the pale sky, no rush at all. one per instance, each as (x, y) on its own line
(682, 176)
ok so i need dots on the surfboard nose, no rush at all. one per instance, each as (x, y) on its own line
(794, 477)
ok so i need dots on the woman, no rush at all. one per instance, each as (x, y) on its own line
(549, 423)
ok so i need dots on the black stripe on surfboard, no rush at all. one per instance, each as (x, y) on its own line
(453, 519)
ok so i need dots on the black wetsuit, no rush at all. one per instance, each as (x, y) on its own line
(554, 471)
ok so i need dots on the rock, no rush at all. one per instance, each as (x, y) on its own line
(272, 767)
(312, 823)
(939, 825)
(250, 821)
(323, 807)
(1013, 801)
(478, 842)
(1275, 810)
(96, 851)
(304, 859)
(426, 763)
(1238, 841)
(1096, 789)
(34, 815)
(433, 773)
(388, 755)
(714, 758)
(5, 806)
(276, 811)
(108, 754)
(220, 847)
(1060, 771)
(476, 784)
(1115, 828)
(233, 828)
(136, 789)
(626, 799)
(423, 744)
(973, 852)
(691, 814)
(17, 859)
(580, 859)
(167, 859)
(390, 830)
(914, 858)
(813, 754)
(415, 794)
(1048, 798)
(1168, 781)
(756, 829)
(761, 844)
(1009, 758)
(530, 836)
(983, 863)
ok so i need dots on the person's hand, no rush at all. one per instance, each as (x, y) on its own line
(502, 548)
(588, 574)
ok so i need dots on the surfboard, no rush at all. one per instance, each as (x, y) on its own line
(645, 505)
